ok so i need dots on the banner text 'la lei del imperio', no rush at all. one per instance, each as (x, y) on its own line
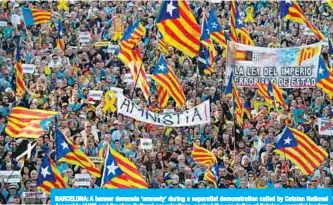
(294, 67)
(194, 116)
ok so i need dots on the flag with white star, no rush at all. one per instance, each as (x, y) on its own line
(291, 10)
(324, 78)
(216, 31)
(119, 172)
(132, 35)
(49, 177)
(164, 76)
(300, 150)
(69, 153)
(205, 33)
(179, 27)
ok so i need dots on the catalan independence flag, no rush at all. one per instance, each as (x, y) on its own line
(132, 59)
(330, 3)
(300, 150)
(119, 172)
(216, 32)
(324, 78)
(164, 76)
(278, 93)
(290, 10)
(162, 96)
(35, 17)
(271, 93)
(209, 176)
(19, 83)
(203, 156)
(307, 53)
(49, 177)
(178, 26)
(238, 27)
(60, 40)
(162, 46)
(205, 61)
(132, 35)
(232, 91)
(27, 123)
(68, 153)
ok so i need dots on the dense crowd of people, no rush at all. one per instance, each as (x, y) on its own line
(62, 80)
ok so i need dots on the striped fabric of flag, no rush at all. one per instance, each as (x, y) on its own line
(35, 17)
(233, 10)
(203, 156)
(232, 91)
(162, 96)
(307, 53)
(216, 32)
(162, 46)
(278, 93)
(23, 122)
(300, 150)
(19, 83)
(290, 10)
(60, 40)
(132, 59)
(237, 26)
(132, 35)
(68, 153)
(49, 177)
(330, 3)
(209, 176)
(119, 172)
(164, 76)
(247, 109)
(178, 26)
(324, 78)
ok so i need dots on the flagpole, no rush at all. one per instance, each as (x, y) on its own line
(137, 78)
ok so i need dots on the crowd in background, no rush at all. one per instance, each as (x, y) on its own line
(63, 78)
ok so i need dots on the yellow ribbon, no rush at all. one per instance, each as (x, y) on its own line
(109, 101)
(249, 15)
(62, 5)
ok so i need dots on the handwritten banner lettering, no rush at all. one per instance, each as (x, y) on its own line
(194, 116)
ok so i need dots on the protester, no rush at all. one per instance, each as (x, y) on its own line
(62, 80)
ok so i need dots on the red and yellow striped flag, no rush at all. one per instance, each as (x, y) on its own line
(119, 172)
(68, 153)
(179, 27)
(19, 83)
(300, 150)
(307, 53)
(209, 176)
(133, 60)
(290, 10)
(23, 122)
(203, 156)
(233, 33)
(40, 16)
(162, 96)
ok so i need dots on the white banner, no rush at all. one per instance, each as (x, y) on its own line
(146, 143)
(85, 37)
(294, 67)
(82, 180)
(28, 68)
(10, 176)
(3, 23)
(194, 116)
(325, 126)
(34, 194)
(95, 94)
